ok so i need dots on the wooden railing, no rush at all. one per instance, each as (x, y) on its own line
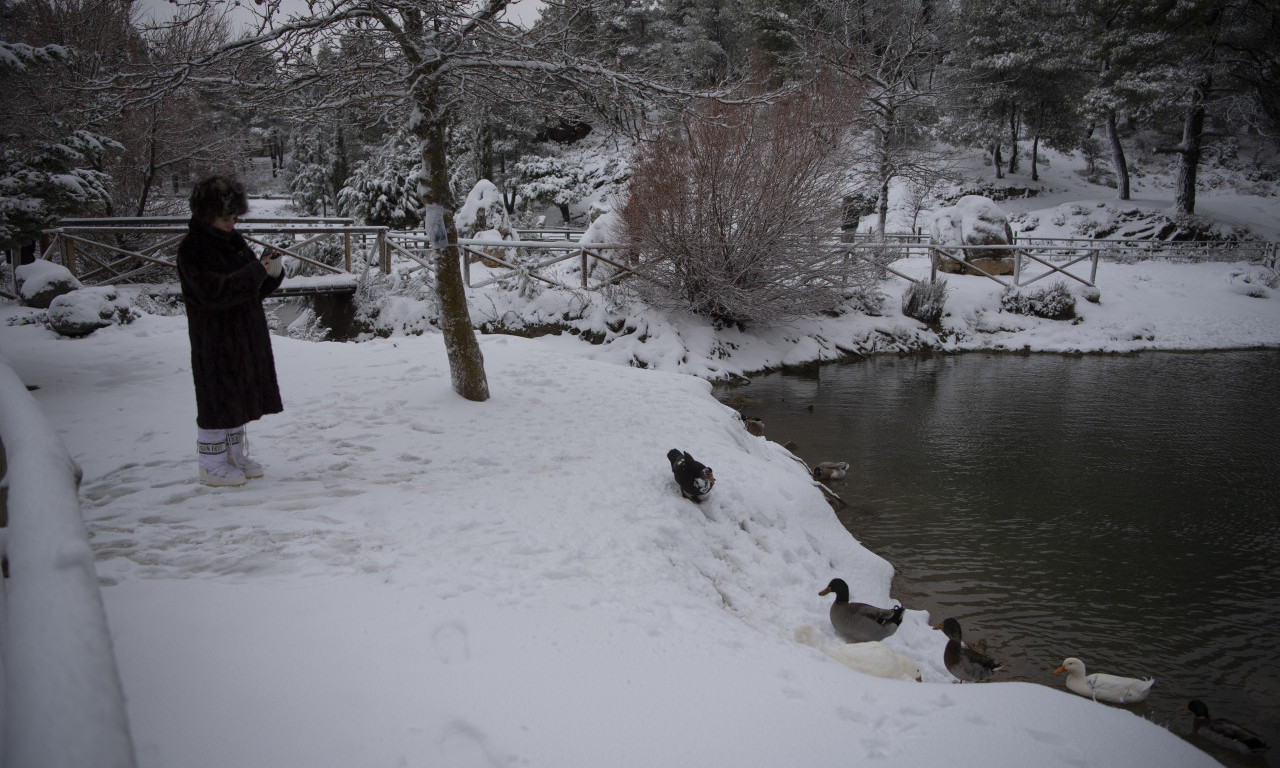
(110, 251)
(104, 251)
(120, 250)
(1057, 255)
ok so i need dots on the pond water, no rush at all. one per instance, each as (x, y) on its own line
(1123, 509)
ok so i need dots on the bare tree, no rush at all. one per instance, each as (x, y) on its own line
(733, 215)
(890, 51)
(413, 61)
(186, 132)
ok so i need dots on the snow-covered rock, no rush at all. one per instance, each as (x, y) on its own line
(483, 210)
(973, 220)
(41, 281)
(84, 311)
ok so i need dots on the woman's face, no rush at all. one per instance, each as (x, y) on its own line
(225, 223)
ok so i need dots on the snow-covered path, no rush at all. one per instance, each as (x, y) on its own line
(420, 580)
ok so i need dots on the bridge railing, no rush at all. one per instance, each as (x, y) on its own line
(63, 703)
(1057, 255)
(121, 250)
(104, 251)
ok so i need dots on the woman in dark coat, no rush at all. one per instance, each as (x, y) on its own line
(223, 284)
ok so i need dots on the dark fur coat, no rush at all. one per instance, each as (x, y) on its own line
(223, 285)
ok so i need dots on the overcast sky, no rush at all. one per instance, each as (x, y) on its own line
(520, 11)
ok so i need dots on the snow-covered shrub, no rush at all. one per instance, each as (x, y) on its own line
(731, 217)
(565, 179)
(1255, 282)
(82, 312)
(925, 301)
(1053, 302)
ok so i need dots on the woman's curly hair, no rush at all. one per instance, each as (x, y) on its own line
(218, 196)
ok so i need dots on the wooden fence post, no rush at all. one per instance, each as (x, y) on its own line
(346, 245)
(69, 256)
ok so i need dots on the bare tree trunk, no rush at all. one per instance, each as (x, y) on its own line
(1189, 153)
(1013, 138)
(1117, 157)
(997, 160)
(882, 205)
(1035, 158)
(149, 175)
(466, 363)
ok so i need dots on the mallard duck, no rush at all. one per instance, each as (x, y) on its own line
(967, 664)
(693, 477)
(1223, 732)
(830, 470)
(876, 659)
(859, 622)
(1103, 687)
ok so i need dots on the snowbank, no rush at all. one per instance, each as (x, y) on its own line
(62, 702)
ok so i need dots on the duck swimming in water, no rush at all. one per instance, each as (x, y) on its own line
(830, 470)
(1223, 732)
(1103, 687)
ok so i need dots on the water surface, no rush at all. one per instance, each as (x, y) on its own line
(1123, 509)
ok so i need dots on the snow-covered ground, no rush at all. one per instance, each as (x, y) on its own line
(421, 580)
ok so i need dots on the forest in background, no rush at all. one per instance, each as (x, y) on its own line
(107, 115)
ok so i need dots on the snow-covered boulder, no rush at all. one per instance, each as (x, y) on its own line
(84, 311)
(484, 209)
(605, 227)
(496, 250)
(973, 220)
(41, 281)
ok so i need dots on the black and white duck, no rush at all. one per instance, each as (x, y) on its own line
(694, 478)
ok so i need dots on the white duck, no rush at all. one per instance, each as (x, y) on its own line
(876, 659)
(1103, 687)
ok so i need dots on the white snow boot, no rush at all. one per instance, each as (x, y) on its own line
(215, 470)
(238, 452)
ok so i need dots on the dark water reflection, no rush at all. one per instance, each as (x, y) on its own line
(1125, 510)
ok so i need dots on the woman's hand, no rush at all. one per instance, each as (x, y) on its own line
(271, 261)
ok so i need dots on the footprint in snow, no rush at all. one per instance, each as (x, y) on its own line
(462, 745)
(452, 644)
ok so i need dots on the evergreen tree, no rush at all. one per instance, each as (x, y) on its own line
(382, 190)
(49, 164)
